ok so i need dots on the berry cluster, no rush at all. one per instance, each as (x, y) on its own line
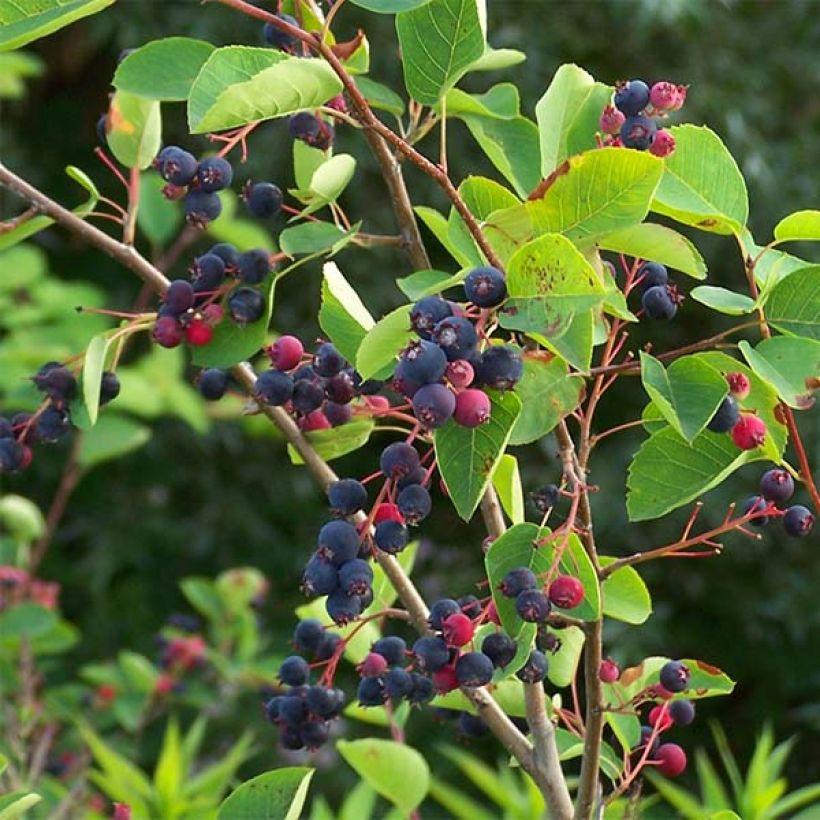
(533, 601)
(17, 586)
(747, 430)
(222, 281)
(385, 676)
(777, 487)
(630, 119)
(659, 298)
(52, 419)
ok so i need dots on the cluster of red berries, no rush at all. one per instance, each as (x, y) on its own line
(17, 587)
(52, 419)
(630, 119)
(777, 487)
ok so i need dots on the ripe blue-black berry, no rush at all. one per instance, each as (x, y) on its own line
(658, 303)
(638, 132)
(209, 273)
(500, 367)
(414, 503)
(390, 536)
(470, 606)
(201, 207)
(726, 416)
(327, 361)
(631, 98)
(424, 690)
(253, 266)
(213, 174)
(427, 313)
(263, 199)
(307, 396)
(431, 653)
(441, 610)
(340, 388)
(674, 676)
(355, 576)
(472, 725)
(652, 275)
(52, 424)
(532, 605)
(56, 381)
(293, 709)
(328, 646)
(798, 521)
(176, 165)
(474, 669)
(433, 405)
(12, 454)
(777, 485)
(304, 126)
(109, 387)
(535, 669)
(343, 608)
(516, 581)
(323, 701)
(213, 383)
(402, 383)
(314, 733)
(682, 712)
(291, 737)
(456, 336)
(346, 496)
(756, 504)
(308, 635)
(277, 38)
(294, 671)
(229, 254)
(338, 542)
(272, 708)
(398, 460)
(499, 647)
(273, 387)
(545, 498)
(398, 683)
(338, 414)
(321, 577)
(6, 430)
(391, 648)
(371, 692)
(485, 287)
(179, 296)
(246, 305)
(417, 476)
(424, 362)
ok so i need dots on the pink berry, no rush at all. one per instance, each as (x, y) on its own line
(373, 666)
(199, 333)
(663, 144)
(316, 420)
(377, 404)
(388, 512)
(168, 332)
(492, 614)
(457, 629)
(285, 353)
(460, 374)
(213, 314)
(445, 679)
(658, 715)
(739, 385)
(566, 592)
(609, 671)
(749, 432)
(671, 759)
(337, 103)
(472, 408)
(666, 96)
(611, 120)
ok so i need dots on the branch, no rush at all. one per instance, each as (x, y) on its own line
(805, 467)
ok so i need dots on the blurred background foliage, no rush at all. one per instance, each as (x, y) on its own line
(202, 496)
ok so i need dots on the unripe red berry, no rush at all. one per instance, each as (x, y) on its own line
(213, 314)
(199, 333)
(388, 512)
(285, 353)
(666, 96)
(168, 332)
(337, 103)
(659, 715)
(373, 666)
(566, 592)
(315, 420)
(663, 144)
(671, 759)
(457, 629)
(164, 685)
(739, 385)
(460, 374)
(445, 679)
(609, 671)
(472, 408)
(611, 120)
(377, 404)
(749, 432)
(492, 614)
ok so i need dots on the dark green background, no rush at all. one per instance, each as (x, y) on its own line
(191, 505)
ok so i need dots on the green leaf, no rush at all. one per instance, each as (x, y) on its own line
(202, 595)
(568, 115)
(314, 237)
(305, 162)
(563, 664)
(336, 442)
(439, 227)
(342, 315)
(575, 344)
(389, 6)
(625, 727)
(163, 69)
(380, 96)
(547, 393)
(705, 680)
(626, 597)
(18, 808)
(138, 671)
(233, 343)
(380, 762)
(359, 60)
(438, 40)
(789, 364)
(134, 129)
(169, 770)
(502, 102)
(509, 695)
(507, 482)
(799, 226)
(377, 353)
(21, 518)
(158, 218)
(467, 457)
(238, 85)
(112, 436)
(423, 283)
(15, 68)
(657, 243)
(702, 185)
(687, 394)
(22, 22)
(25, 621)
(793, 306)
(329, 180)
(495, 59)
(723, 300)
(93, 366)
(277, 794)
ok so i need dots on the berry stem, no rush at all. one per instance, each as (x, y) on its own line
(129, 227)
(805, 468)
(236, 137)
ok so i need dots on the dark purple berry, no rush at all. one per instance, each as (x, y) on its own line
(414, 503)
(427, 313)
(391, 648)
(213, 174)
(338, 414)
(291, 737)
(328, 646)
(213, 383)
(293, 709)
(308, 635)
(179, 297)
(798, 521)
(109, 387)
(638, 132)
(433, 405)
(277, 38)
(682, 712)
(56, 381)
(646, 734)
(474, 669)
(516, 581)
(535, 669)
(500, 367)
(307, 396)
(304, 126)
(263, 200)
(355, 577)
(321, 577)
(545, 498)
(340, 388)
(532, 605)
(246, 305)
(338, 542)
(398, 460)
(424, 362)
(202, 207)
(499, 647)
(343, 608)
(398, 684)
(485, 287)
(658, 303)
(756, 504)
(168, 332)
(371, 692)
(272, 708)
(229, 254)
(402, 383)
(294, 671)
(324, 702)
(674, 676)
(176, 165)
(273, 387)
(456, 336)
(327, 361)
(631, 98)
(472, 726)
(347, 496)
(52, 424)
(12, 455)
(424, 690)
(390, 536)
(208, 271)
(253, 266)
(441, 610)
(652, 275)
(470, 606)
(777, 485)
(417, 476)
(314, 733)
(726, 416)
(431, 653)
(6, 430)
